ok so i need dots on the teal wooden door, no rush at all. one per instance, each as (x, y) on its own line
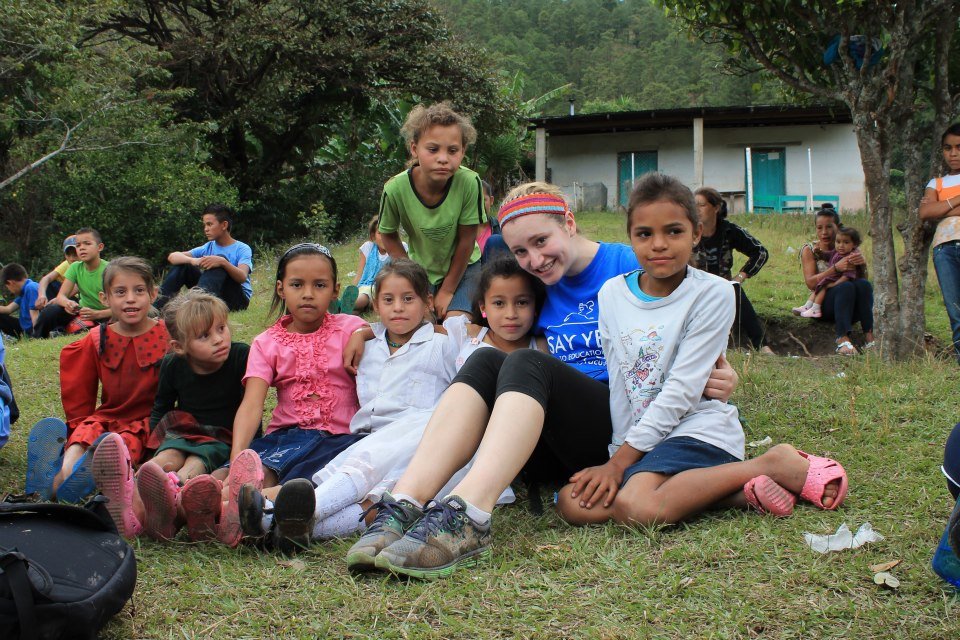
(630, 166)
(769, 172)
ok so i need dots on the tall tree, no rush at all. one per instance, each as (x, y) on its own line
(276, 77)
(893, 71)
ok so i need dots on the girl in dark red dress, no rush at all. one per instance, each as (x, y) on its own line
(117, 362)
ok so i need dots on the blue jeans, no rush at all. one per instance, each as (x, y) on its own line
(946, 260)
(216, 281)
(463, 297)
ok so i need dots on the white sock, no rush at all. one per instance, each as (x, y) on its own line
(267, 520)
(815, 306)
(474, 513)
(335, 494)
(341, 524)
(402, 496)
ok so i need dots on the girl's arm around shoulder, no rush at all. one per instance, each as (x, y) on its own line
(353, 349)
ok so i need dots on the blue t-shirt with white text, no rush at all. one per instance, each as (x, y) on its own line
(236, 254)
(570, 314)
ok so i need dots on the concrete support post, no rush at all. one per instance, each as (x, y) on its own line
(541, 172)
(698, 152)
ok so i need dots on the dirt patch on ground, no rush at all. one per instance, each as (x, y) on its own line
(791, 336)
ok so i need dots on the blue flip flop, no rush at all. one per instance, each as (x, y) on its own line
(80, 483)
(45, 455)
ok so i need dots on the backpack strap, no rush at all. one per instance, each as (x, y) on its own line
(939, 185)
(13, 565)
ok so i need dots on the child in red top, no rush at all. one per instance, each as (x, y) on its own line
(121, 361)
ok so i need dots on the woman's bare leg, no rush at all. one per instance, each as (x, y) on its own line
(450, 439)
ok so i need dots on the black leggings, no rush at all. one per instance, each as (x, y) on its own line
(577, 425)
(849, 303)
(746, 320)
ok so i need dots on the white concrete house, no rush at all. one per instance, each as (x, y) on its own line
(795, 153)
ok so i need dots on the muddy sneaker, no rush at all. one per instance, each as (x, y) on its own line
(293, 516)
(246, 468)
(444, 539)
(393, 519)
(200, 502)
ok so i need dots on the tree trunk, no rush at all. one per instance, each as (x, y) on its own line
(874, 155)
(916, 240)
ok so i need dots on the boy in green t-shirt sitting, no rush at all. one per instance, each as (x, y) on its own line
(84, 276)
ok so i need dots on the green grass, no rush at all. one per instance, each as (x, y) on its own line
(725, 575)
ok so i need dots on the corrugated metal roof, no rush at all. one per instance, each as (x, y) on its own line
(713, 117)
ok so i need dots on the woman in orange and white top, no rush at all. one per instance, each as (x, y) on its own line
(941, 201)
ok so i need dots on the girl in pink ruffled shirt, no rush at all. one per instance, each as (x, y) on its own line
(302, 356)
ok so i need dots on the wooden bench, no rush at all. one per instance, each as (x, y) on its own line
(779, 204)
(822, 199)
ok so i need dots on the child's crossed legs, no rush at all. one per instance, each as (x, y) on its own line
(656, 498)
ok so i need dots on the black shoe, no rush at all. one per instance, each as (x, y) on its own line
(250, 503)
(293, 516)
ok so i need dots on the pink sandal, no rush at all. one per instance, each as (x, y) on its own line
(200, 500)
(113, 475)
(766, 496)
(822, 472)
(246, 468)
(158, 490)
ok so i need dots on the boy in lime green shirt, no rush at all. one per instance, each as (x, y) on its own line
(439, 203)
(85, 277)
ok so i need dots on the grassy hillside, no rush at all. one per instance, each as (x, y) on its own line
(725, 575)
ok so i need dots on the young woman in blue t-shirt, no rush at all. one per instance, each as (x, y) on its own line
(563, 395)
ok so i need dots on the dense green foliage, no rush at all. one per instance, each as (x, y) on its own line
(150, 107)
(618, 55)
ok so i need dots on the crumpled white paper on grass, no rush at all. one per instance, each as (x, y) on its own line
(842, 539)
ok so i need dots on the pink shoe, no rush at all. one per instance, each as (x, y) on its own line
(244, 469)
(114, 477)
(766, 496)
(812, 312)
(158, 490)
(798, 310)
(822, 472)
(201, 502)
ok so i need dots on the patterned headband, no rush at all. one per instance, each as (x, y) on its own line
(307, 245)
(532, 203)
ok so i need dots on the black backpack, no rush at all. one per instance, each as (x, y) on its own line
(64, 571)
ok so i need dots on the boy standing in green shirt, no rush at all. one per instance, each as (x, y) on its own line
(439, 204)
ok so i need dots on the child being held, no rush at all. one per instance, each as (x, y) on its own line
(302, 356)
(191, 423)
(119, 363)
(84, 277)
(25, 291)
(847, 244)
